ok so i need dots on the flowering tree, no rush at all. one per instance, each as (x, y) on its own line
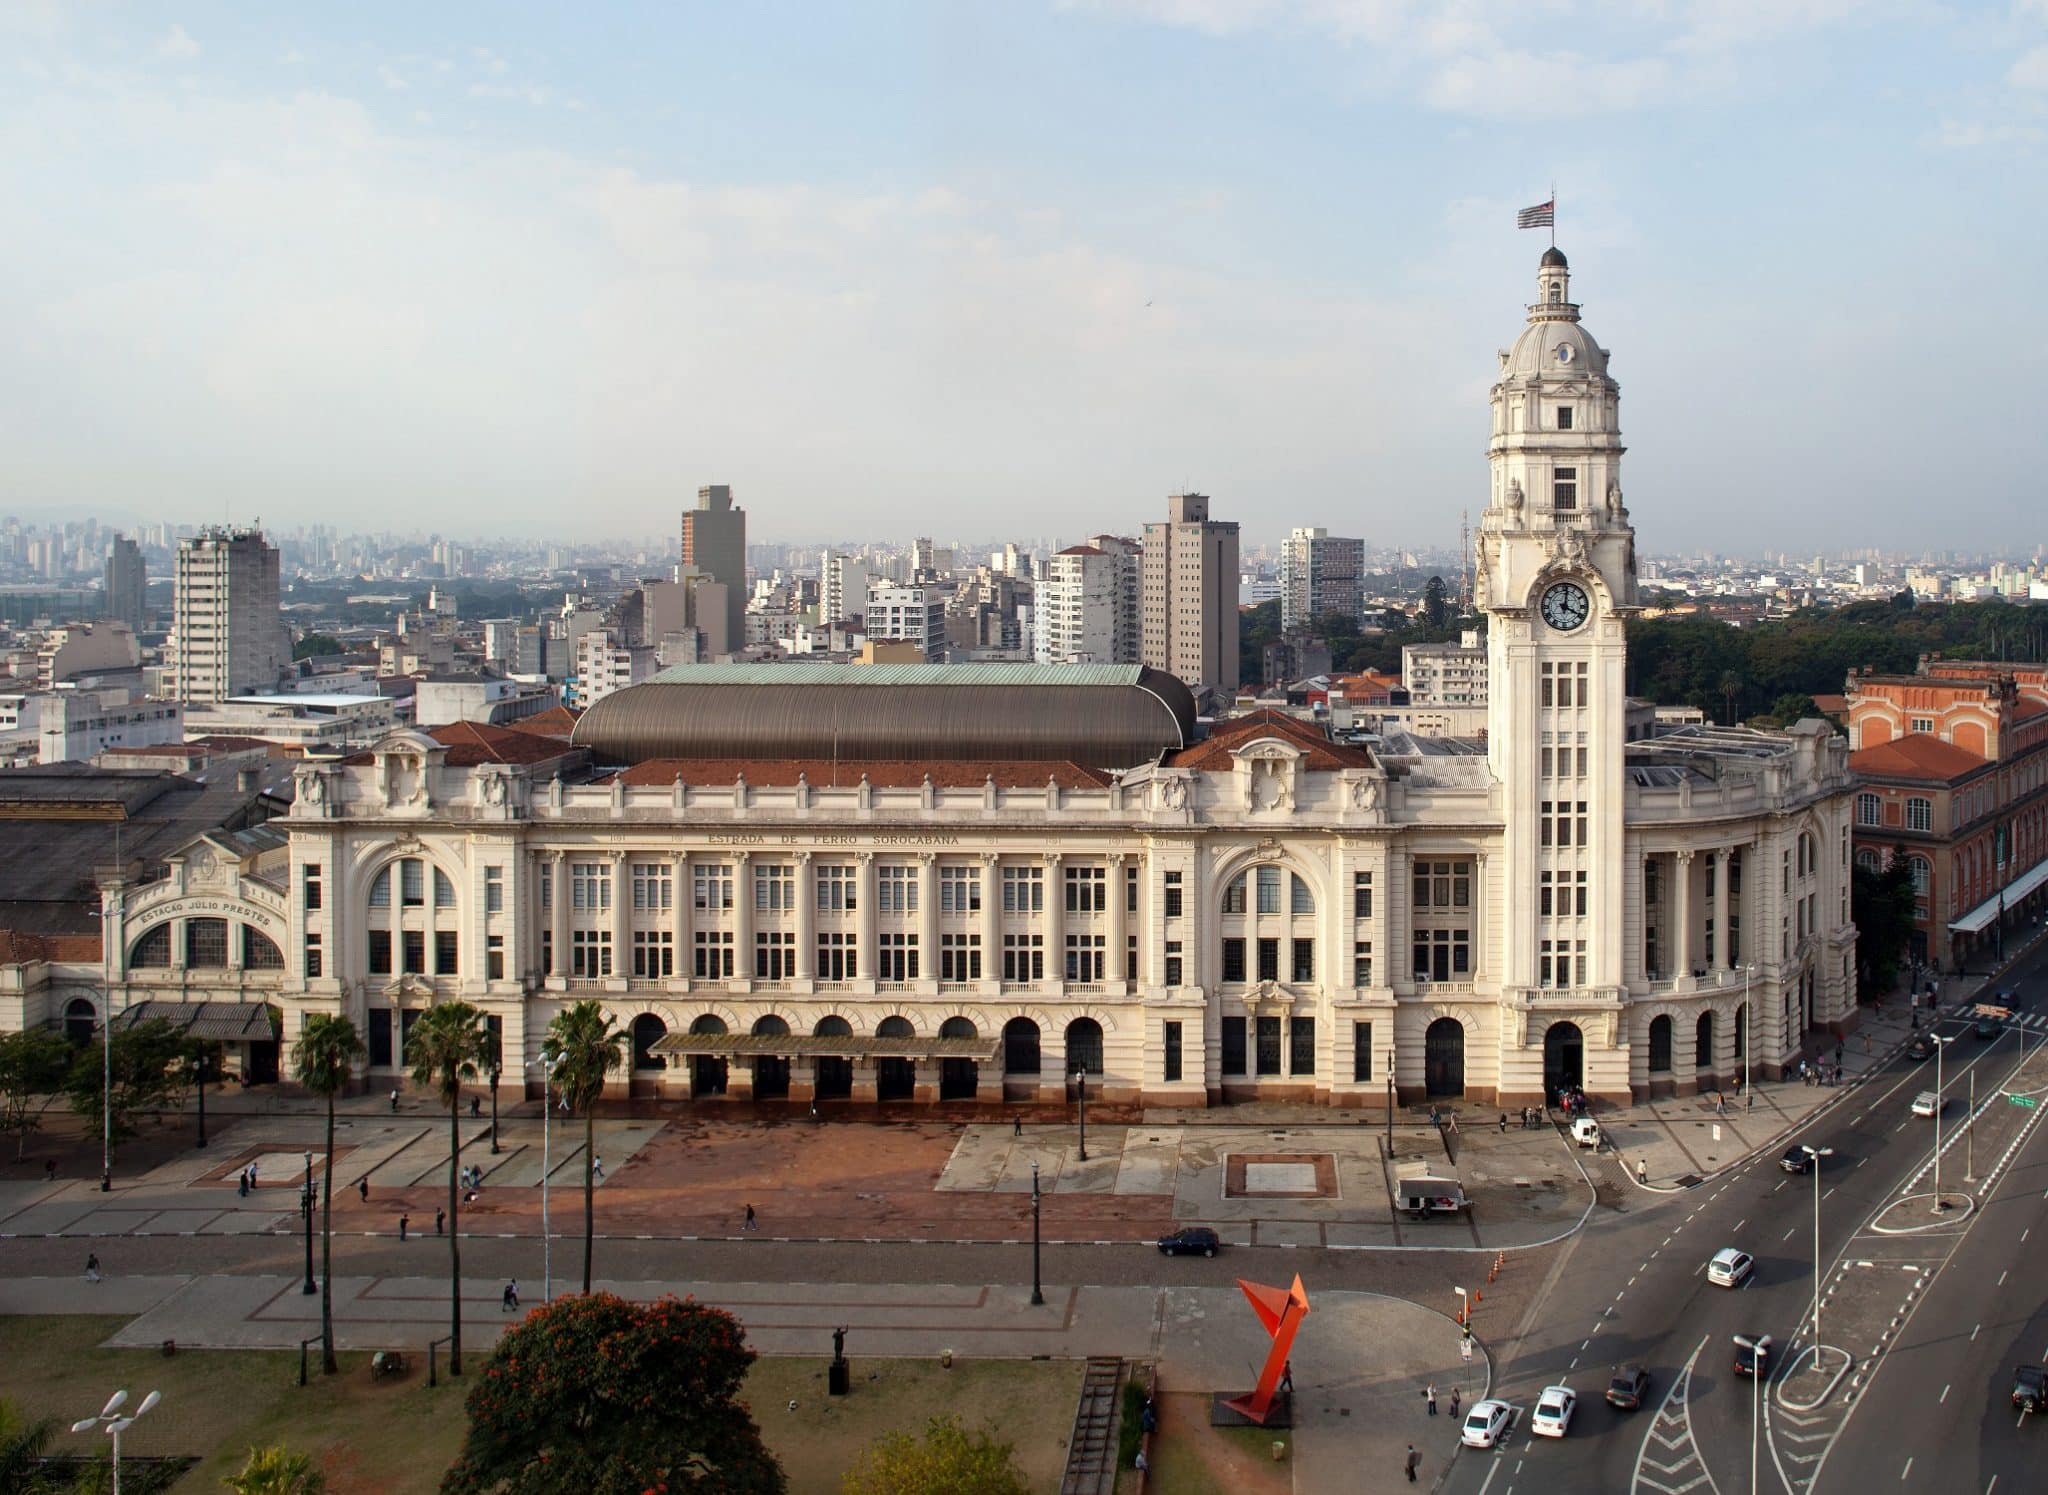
(599, 1395)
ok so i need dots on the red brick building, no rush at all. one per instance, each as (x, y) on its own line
(1954, 763)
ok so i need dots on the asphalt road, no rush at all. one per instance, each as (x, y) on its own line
(1633, 1286)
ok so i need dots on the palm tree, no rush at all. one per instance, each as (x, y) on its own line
(276, 1470)
(583, 1046)
(22, 1441)
(323, 1061)
(447, 1042)
(1731, 687)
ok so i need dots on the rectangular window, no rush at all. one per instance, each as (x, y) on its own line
(897, 958)
(494, 890)
(1169, 1046)
(1269, 959)
(1361, 895)
(1361, 1052)
(896, 889)
(311, 884)
(1233, 1045)
(959, 890)
(1301, 1045)
(1269, 1045)
(1130, 957)
(590, 953)
(1233, 959)
(1543, 895)
(1087, 890)
(1919, 814)
(1301, 900)
(837, 885)
(314, 958)
(774, 955)
(380, 1037)
(1269, 890)
(713, 957)
(1173, 895)
(494, 957)
(1564, 488)
(836, 958)
(774, 888)
(547, 888)
(547, 951)
(1361, 963)
(653, 954)
(1023, 957)
(447, 950)
(1442, 954)
(1443, 885)
(1130, 890)
(1023, 890)
(590, 886)
(1085, 957)
(1174, 965)
(1233, 895)
(959, 957)
(711, 887)
(653, 887)
(1564, 417)
(1923, 724)
(412, 874)
(1302, 960)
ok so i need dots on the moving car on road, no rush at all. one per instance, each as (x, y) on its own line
(1796, 1160)
(1190, 1240)
(2030, 1389)
(1922, 1047)
(1485, 1423)
(1630, 1385)
(1553, 1412)
(1753, 1355)
(1926, 1103)
(1730, 1267)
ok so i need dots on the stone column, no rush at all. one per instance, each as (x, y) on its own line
(991, 922)
(928, 930)
(622, 915)
(679, 913)
(743, 915)
(806, 932)
(1724, 899)
(1055, 923)
(869, 955)
(1681, 904)
(558, 876)
(1113, 961)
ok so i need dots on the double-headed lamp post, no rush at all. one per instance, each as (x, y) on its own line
(1756, 1378)
(1081, 1092)
(1940, 1048)
(116, 1422)
(306, 1209)
(1813, 1157)
(1037, 1291)
(495, 1067)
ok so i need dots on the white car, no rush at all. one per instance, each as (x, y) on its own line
(1730, 1268)
(1926, 1103)
(1485, 1423)
(1553, 1412)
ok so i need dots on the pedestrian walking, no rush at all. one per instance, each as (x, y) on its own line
(511, 1299)
(242, 1183)
(1503, 1123)
(1140, 1462)
(1414, 1459)
(1454, 1123)
(1642, 1171)
(1287, 1377)
(1016, 1126)
(750, 1223)
(92, 1267)
(49, 1170)
(1429, 1395)
(596, 1166)
(394, 1102)
(363, 1187)
(252, 1175)
(1455, 1395)
(440, 1220)
(403, 1222)
(476, 1106)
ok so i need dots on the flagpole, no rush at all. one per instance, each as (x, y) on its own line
(1553, 215)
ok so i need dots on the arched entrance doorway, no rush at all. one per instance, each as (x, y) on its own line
(648, 1030)
(771, 1071)
(1564, 1058)
(895, 1079)
(1660, 1045)
(1443, 1059)
(80, 1019)
(1020, 1047)
(707, 1071)
(958, 1078)
(832, 1074)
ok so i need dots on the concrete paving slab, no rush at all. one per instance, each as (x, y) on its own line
(181, 1221)
(56, 1217)
(1288, 1233)
(1096, 1176)
(247, 1222)
(1050, 1156)
(978, 1160)
(212, 1312)
(111, 1222)
(1361, 1234)
(113, 1293)
(1151, 1160)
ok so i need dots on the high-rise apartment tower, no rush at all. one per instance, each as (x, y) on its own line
(1188, 596)
(715, 546)
(227, 629)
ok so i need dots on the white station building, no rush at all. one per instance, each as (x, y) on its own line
(799, 882)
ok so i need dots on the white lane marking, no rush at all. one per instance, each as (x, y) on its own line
(1907, 1470)
(1788, 1234)
(1973, 1334)
(2025, 1233)
(1861, 1161)
(1831, 1192)
(1742, 1222)
(1781, 1184)
(1944, 1393)
(2001, 1278)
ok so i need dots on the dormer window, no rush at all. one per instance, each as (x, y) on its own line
(1564, 417)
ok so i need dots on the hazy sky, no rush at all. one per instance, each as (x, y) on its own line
(980, 267)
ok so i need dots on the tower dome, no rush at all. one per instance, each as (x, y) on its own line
(1554, 256)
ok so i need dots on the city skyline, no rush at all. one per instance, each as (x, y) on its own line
(296, 265)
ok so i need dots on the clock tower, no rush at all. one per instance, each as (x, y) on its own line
(1556, 577)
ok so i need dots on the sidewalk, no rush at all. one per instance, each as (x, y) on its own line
(1360, 1364)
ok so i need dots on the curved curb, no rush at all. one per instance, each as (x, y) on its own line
(1835, 1380)
(1957, 1217)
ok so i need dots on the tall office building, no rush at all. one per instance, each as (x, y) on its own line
(227, 628)
(715, 546)
(1319, 573)
(127, 583)
(1188, 596)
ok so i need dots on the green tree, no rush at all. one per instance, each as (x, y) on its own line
(323, 1060)
(276, 1470)
(34, 1064)
(584, 1046)
(602, 1396)
(22, 1443)
(947, 1460)
(448, 1041)
(1793, 706)
(1436, 611)
(317, 646)
(147, 1061)
(1881, 904)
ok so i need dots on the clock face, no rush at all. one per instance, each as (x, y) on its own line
(1566, 606)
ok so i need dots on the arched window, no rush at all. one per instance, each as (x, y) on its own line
(260, 952)
(832, 1027)
(1868, 860)
(1304, 898)
(404, 933)
(444, 890)
(1660, 1045)
(81, 1018)
(707, 1022)
(648, 1030)
(1556, 294)
(1084, 1046)
(1923, 875)
(153, 949)
(206, 943)
(1869, 810)
(957, 1027)
(770, 1026)
(1703, 1042)
(1020, 1046)
(894, 1027)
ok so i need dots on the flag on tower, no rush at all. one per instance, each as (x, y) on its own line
(1543, 215)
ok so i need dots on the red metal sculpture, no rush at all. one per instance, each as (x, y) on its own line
(1281, 1313)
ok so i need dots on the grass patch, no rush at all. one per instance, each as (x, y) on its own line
(399, 1436)
(1129, 1431)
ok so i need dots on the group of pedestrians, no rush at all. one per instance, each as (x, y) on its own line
(247, 1181)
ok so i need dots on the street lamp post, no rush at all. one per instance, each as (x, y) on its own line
(1391, 1094)
(547, 1237)
(106, 1091)
(306, 1209)
(1940, 1049)
(1081, 1091)
(1813, 1156)
(1748, 1034)
(494, 1107)
(1756, 1376)
(116, 1422)
(1037, 1291)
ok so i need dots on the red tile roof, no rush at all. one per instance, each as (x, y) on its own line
(472, 743)
(556, 721)
(1319, 753)
(894, 773)
(1918, 756)
(18, 947)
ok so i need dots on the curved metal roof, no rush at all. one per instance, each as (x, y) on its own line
(1101, 716)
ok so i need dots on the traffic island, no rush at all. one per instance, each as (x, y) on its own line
(1812, 1378)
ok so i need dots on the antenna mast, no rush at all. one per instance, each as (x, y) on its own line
(1465, 558)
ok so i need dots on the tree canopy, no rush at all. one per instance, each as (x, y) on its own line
(149, 1068)
(947, 1460)
(1881, 904)
(600, 1395)
(34, 1064)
